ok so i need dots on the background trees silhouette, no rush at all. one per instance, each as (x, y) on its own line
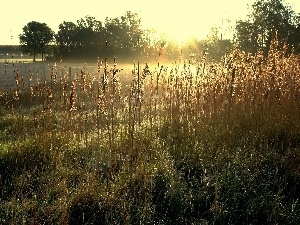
(268, 18)
(124, 36)
(89, 37)
(36, 38)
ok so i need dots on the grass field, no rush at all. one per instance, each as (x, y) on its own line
(18, 60)
(205, 143)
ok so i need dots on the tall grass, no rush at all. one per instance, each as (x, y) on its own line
(190, 143)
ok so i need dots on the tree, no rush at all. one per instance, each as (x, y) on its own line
(247, 35)
(90, 35)
(267, 19)
(124, 35)
(131, 26)
(79, 39)
(66, 38)
(36, 38)
(214, 47)
(89, 38)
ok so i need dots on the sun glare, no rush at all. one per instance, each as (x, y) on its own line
(183, 20)
(180, 36)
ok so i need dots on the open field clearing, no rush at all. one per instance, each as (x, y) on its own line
(39, 71)
(113, 143)
(18, 60)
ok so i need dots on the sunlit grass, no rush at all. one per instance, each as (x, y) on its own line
(189, 143)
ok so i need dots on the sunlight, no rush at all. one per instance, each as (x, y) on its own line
(184, 20)
(178, 19)
(181, 35)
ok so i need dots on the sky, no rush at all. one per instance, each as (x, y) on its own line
(178, 19)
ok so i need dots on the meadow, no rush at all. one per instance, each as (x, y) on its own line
(188, 142)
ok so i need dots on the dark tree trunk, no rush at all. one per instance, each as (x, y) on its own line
(34, 53)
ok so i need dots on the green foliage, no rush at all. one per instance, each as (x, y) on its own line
(35, 38)
(88, 38)
(267, 20)
(122, 36)
(66, 37)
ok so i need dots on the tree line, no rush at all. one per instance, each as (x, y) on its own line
(86, 38)
(123, 36)
(267, 20)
